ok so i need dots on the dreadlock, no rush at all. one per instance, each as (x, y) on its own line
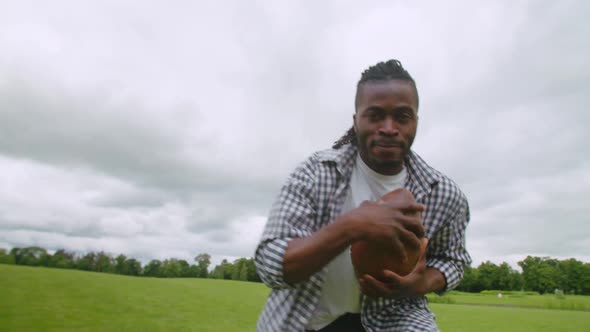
(383, 71)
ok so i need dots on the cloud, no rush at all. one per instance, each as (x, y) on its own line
(165, 131)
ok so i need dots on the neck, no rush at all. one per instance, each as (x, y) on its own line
(390, 168)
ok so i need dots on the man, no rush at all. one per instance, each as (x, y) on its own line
(330, 201)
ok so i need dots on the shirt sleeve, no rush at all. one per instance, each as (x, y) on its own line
(291, 216)
(447, 251)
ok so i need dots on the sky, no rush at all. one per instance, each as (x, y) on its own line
(166, 129)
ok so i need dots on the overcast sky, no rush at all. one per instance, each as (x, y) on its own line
(166, 129)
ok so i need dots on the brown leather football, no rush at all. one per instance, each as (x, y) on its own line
(372, 259)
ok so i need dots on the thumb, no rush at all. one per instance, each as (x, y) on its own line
(391, 277)
(421, 264)
(423, 248)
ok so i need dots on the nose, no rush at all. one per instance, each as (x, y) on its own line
(388, 127)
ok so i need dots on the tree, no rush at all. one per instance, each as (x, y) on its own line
(469, 281)
(87, 262)
(103, 262)
(153, 268)
(173, 268)
(491, 277)
(203, 261)
(550, 278)
(121, 264)
(488, 275)
(243, 269)
(5, 257)
(516, 282)
(243, 272)
(530, 266)
(63, 260)
(237, 265)
(585, 284)
(28, 256)
(503, 277)
(133, 267)
(44, 259)
(252, 274)
(185, 268)
(573, 270)
(240, 269)
(194, 271)
(541, 274)
(223, 270)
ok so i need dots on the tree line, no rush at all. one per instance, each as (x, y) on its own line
(241, 269)
(539, 274)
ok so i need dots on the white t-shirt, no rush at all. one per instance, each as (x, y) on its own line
(341, 292)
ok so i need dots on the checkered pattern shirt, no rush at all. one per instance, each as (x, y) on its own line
(313, 197)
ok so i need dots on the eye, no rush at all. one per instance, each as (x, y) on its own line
(404, 117)
(374, 115)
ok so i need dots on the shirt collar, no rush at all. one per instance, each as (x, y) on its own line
(421, 176)
(344, 158)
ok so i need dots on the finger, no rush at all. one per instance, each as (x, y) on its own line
(424, 247)
(364, 203)
(413, 208)
(376, 287)
(409, 239)
(393, 279)
(366, 289)
(413, 224)
(410, 226)
(399, 248)
(421, 264)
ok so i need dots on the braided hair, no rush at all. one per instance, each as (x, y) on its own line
(383, 71)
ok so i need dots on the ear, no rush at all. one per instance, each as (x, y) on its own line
(354, 122)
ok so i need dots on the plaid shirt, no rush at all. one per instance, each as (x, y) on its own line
(313, 197)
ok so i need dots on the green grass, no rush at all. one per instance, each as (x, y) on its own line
(547, 301)
(40, 299)
(463, 318)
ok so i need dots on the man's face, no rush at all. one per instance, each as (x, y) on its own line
(385, 123)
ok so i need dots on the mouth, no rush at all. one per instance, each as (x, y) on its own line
(388, 145)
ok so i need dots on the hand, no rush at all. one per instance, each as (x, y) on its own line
(392, 222)
(403, 201)
(391, 285)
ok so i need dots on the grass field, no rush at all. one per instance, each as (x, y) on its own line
(463, 318)
(547, 301)
(39, 299)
